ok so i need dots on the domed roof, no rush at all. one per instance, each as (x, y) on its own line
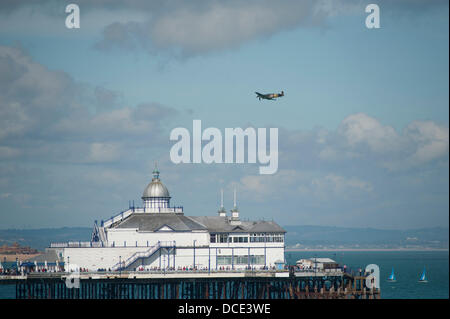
(155, 188)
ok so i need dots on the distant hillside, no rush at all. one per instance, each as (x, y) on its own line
(41, 238)
(299, 236)
(333, 237)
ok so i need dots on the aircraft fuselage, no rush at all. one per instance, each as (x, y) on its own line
(269, 96)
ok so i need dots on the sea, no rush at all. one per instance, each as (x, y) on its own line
(408, 266)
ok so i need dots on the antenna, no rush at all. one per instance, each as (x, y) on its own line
(222, 212)
(235, 211)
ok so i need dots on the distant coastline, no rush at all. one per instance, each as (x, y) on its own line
(21, 257)
(298, 238)
(363, 249)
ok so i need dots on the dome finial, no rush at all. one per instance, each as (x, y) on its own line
(155, 172)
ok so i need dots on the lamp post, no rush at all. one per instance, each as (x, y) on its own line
(315, 265)
(194, 253)
(120, 265)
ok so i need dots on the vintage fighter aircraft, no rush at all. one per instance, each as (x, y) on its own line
(269, 96)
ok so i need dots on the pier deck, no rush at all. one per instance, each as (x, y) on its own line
(192, 285)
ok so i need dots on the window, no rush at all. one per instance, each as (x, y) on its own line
(223, 238)
(224, 260)
(240, 260)
(240, 239)
(257, 238)
(268, 238)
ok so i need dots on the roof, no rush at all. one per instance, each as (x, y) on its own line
(221, 224)
(155, 189)
(154, 222)
(178, 222)
(323, 260)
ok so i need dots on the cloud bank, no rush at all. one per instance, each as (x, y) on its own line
(46, 114)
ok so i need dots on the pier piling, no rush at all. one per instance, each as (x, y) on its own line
(249, 287)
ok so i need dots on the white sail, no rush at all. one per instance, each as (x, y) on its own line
(423, 277)
(392, 276)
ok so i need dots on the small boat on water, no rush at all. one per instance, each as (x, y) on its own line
(392, 276)
(423, 278)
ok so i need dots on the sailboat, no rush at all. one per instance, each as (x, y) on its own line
(392, 276)
(422, 277)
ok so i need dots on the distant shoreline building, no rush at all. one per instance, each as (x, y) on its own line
(158, 236)
(15, 249)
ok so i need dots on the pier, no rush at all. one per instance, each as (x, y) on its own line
(193, 285)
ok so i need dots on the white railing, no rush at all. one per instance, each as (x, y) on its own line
(159, 210)
(102, 234)
(77, 244)
(142, 254)
(135, 256)
(59, 245)
(97, 244)
(118, 217)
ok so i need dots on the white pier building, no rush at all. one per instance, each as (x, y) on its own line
(159, 237)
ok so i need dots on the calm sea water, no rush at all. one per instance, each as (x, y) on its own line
(408, 266)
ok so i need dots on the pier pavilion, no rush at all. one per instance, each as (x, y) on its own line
(159, 236)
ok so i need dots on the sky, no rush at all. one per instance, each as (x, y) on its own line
(363, 126)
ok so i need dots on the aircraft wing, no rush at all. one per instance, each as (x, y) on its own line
(263, 96)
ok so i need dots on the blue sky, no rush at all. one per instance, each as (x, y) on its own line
(363, 126)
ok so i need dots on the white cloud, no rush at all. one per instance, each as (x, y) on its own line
(362, 139)
(297, 183)
(46, 115)
(198, 27)
(263, 187)
(362, 129)
(431, 141)
(31, 96)
(184, 28)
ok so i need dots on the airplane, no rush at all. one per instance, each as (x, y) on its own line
(270, 96)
